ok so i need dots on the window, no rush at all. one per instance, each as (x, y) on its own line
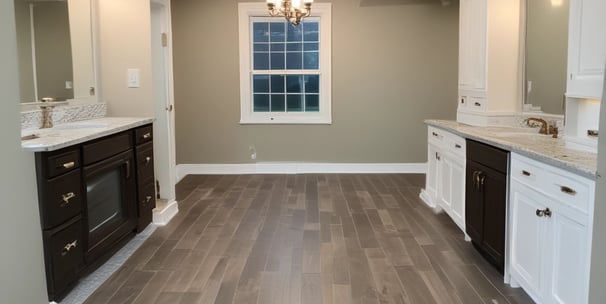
(285, 72)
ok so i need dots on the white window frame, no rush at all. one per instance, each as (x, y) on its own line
(247, 115)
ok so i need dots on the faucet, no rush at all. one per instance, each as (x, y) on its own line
(46, 105)
(546, 128)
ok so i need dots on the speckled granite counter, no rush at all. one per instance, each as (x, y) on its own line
(72, 133)
(542, 148)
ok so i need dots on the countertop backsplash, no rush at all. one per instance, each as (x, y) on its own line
(63, 114)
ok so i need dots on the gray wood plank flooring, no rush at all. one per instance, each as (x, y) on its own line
(306, 239)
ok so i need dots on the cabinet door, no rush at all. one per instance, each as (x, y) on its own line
(569, 262)
(586, 48)
(431, 182)
(527, 239)
(457, 193)
(472, 45)
(445, 182)
(493, 187)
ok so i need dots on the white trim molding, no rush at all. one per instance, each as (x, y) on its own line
(299, 168)
(164, 212)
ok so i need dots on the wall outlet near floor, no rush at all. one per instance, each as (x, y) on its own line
(253, 152)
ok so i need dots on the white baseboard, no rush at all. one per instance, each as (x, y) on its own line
(163, 214)
(299, 168)
(427, 199)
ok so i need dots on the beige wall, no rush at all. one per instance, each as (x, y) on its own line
(124, 42)
(21, 261)
(547, 54)
(393, 66)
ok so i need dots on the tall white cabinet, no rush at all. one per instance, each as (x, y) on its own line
(550, 231)
(586, 48)
(489, 40)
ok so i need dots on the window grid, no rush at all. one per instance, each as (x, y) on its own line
(285, 73)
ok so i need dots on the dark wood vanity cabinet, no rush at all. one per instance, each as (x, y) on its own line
(485, 200)
(146, 190)
(92, 196)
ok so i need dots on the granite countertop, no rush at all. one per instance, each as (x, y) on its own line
(544, 148)
(73, 133)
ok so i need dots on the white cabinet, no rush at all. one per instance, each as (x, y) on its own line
(586, 48)
(488, 60)
(445, 179)
(550, 236)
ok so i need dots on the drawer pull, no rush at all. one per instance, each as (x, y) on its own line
(568, 190)
(66, 197)
(458, 146)
(526, 173)
(147, 200)
(438, 156)
(477, 104)
(148, 160)
(434, 134)
(68, 247)
(69, 165)
(146, 135)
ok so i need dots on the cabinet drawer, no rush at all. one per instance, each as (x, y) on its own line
(64, 257)
(487, 155)
(62, 162)
(144, 134)
(106, 147)
(145, 162)
(435, 135)
(60, 199)
(455, 144)
(568, 188)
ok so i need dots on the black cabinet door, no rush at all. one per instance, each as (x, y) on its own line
(485, 207)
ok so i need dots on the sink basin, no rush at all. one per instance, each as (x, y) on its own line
(519, 135)
(84, 125)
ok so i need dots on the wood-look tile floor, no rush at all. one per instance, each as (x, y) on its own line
(306, 239)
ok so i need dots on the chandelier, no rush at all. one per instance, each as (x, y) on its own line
(292, 10)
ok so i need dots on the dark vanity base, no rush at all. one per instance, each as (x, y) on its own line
(93, 198)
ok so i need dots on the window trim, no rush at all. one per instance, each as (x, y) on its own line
(247, 116)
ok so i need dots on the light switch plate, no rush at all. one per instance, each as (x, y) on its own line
(134, 78)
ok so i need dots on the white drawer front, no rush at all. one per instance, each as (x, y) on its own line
(573, 190)
(435, 135)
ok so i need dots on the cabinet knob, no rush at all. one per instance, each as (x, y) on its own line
(148, 160)
(458, 146)
(66, 197)
(146, 135)
(68, 247)
(541, 213)
(477, 104)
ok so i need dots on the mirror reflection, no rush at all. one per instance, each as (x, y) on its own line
(546, 54)
(54, 41)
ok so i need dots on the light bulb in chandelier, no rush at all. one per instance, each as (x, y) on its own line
(292, 10)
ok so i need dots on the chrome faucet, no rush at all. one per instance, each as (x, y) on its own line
(546, 128)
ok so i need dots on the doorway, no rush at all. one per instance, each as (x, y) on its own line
(164, 144)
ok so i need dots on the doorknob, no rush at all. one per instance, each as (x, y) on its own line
(169, 108)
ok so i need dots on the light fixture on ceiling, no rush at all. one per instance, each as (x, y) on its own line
(292, 10)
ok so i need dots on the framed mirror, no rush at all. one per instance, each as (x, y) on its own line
(55, 50)
(546, 55)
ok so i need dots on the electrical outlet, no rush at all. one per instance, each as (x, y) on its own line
(253, 152)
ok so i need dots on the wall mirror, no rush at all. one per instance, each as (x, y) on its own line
(55, 50)
(546, 54)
